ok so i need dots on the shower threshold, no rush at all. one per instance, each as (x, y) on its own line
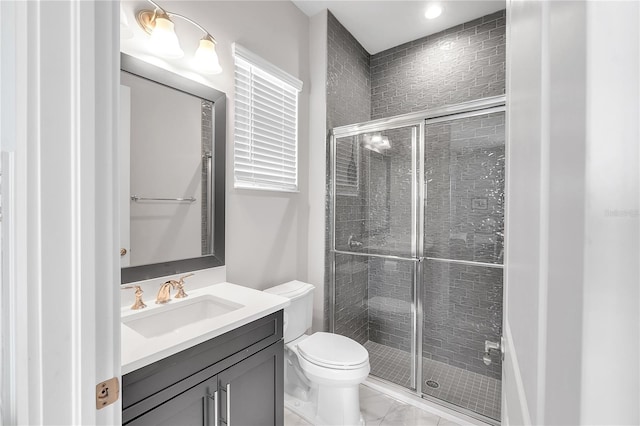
(456, 386)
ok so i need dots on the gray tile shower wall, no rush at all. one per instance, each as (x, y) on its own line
(348, 77)
(352, 309)
(462, 308)
(460, 64)
(348, 101)
(390, 296)
(464, 175)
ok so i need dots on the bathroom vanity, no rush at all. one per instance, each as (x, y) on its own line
(221, 366)
(215, 356)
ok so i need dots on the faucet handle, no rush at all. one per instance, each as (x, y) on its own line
(180, 286)
(138, 304)
(186, 276)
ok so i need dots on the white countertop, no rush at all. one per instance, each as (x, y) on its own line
(139, 351)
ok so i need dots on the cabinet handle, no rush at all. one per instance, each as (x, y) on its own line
(228, 404)
(215, 408)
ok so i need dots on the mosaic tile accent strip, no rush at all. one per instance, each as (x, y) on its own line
(463, 388)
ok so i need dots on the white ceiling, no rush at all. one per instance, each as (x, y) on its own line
(380, 25)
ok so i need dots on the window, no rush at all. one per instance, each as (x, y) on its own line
(266, 124)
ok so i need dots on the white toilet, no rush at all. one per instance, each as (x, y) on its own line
(323, 371)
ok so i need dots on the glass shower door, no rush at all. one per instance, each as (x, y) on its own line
(463, 253)
(374, 242)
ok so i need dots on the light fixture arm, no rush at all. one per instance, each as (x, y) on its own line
(191, 21)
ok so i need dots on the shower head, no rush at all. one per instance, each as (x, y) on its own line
(376, 142)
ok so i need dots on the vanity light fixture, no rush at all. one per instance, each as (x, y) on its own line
(433, 11)
(164, 41)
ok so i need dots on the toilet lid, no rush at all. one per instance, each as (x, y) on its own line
(332, 350)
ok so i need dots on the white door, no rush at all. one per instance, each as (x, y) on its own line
(124, 172)
(571, 315)
(61, 62)
(524, 219)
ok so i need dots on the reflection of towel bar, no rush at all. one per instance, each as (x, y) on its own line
(137, 198)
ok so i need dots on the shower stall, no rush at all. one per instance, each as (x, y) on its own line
(416, 249)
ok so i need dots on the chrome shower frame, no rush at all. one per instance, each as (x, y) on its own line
(417, 120)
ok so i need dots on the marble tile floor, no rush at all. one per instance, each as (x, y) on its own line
(379, 409)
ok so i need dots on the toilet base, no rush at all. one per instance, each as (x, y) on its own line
(339, 406)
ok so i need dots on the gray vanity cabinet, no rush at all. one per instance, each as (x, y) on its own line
(244, 388)
(235, 379)
(194, 407)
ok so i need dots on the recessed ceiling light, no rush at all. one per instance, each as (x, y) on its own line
(433, 11)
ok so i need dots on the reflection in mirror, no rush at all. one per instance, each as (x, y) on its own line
(172, 173)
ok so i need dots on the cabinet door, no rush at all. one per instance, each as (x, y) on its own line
(194, 407)
(252, 391)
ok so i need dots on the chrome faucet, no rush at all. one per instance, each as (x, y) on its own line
(164, 293)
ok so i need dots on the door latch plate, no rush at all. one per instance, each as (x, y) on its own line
(107, 392)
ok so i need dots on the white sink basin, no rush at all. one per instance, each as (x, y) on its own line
(176, 316)
(158, 331)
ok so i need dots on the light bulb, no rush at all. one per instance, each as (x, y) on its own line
(206, 58)
(164, 40)
(433, 11)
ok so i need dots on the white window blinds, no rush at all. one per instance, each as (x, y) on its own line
(266, 125)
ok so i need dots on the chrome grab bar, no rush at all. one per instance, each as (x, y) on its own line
(138, 198)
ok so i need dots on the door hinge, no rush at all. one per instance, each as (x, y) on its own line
(107, 392)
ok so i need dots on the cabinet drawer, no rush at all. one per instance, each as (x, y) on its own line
(233, 346)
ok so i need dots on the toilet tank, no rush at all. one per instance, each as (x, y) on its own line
(299, 314)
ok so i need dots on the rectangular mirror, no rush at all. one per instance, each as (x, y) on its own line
(172, 172)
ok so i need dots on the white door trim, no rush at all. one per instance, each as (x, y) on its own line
(67, 269)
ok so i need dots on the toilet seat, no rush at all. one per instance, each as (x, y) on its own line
(333, 351)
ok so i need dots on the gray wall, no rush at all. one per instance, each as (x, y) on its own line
(460, 64)
(317, 248)
(266, 232)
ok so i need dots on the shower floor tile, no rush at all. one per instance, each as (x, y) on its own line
(457, 386)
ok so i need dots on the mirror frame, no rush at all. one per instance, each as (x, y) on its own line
(161, 76)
